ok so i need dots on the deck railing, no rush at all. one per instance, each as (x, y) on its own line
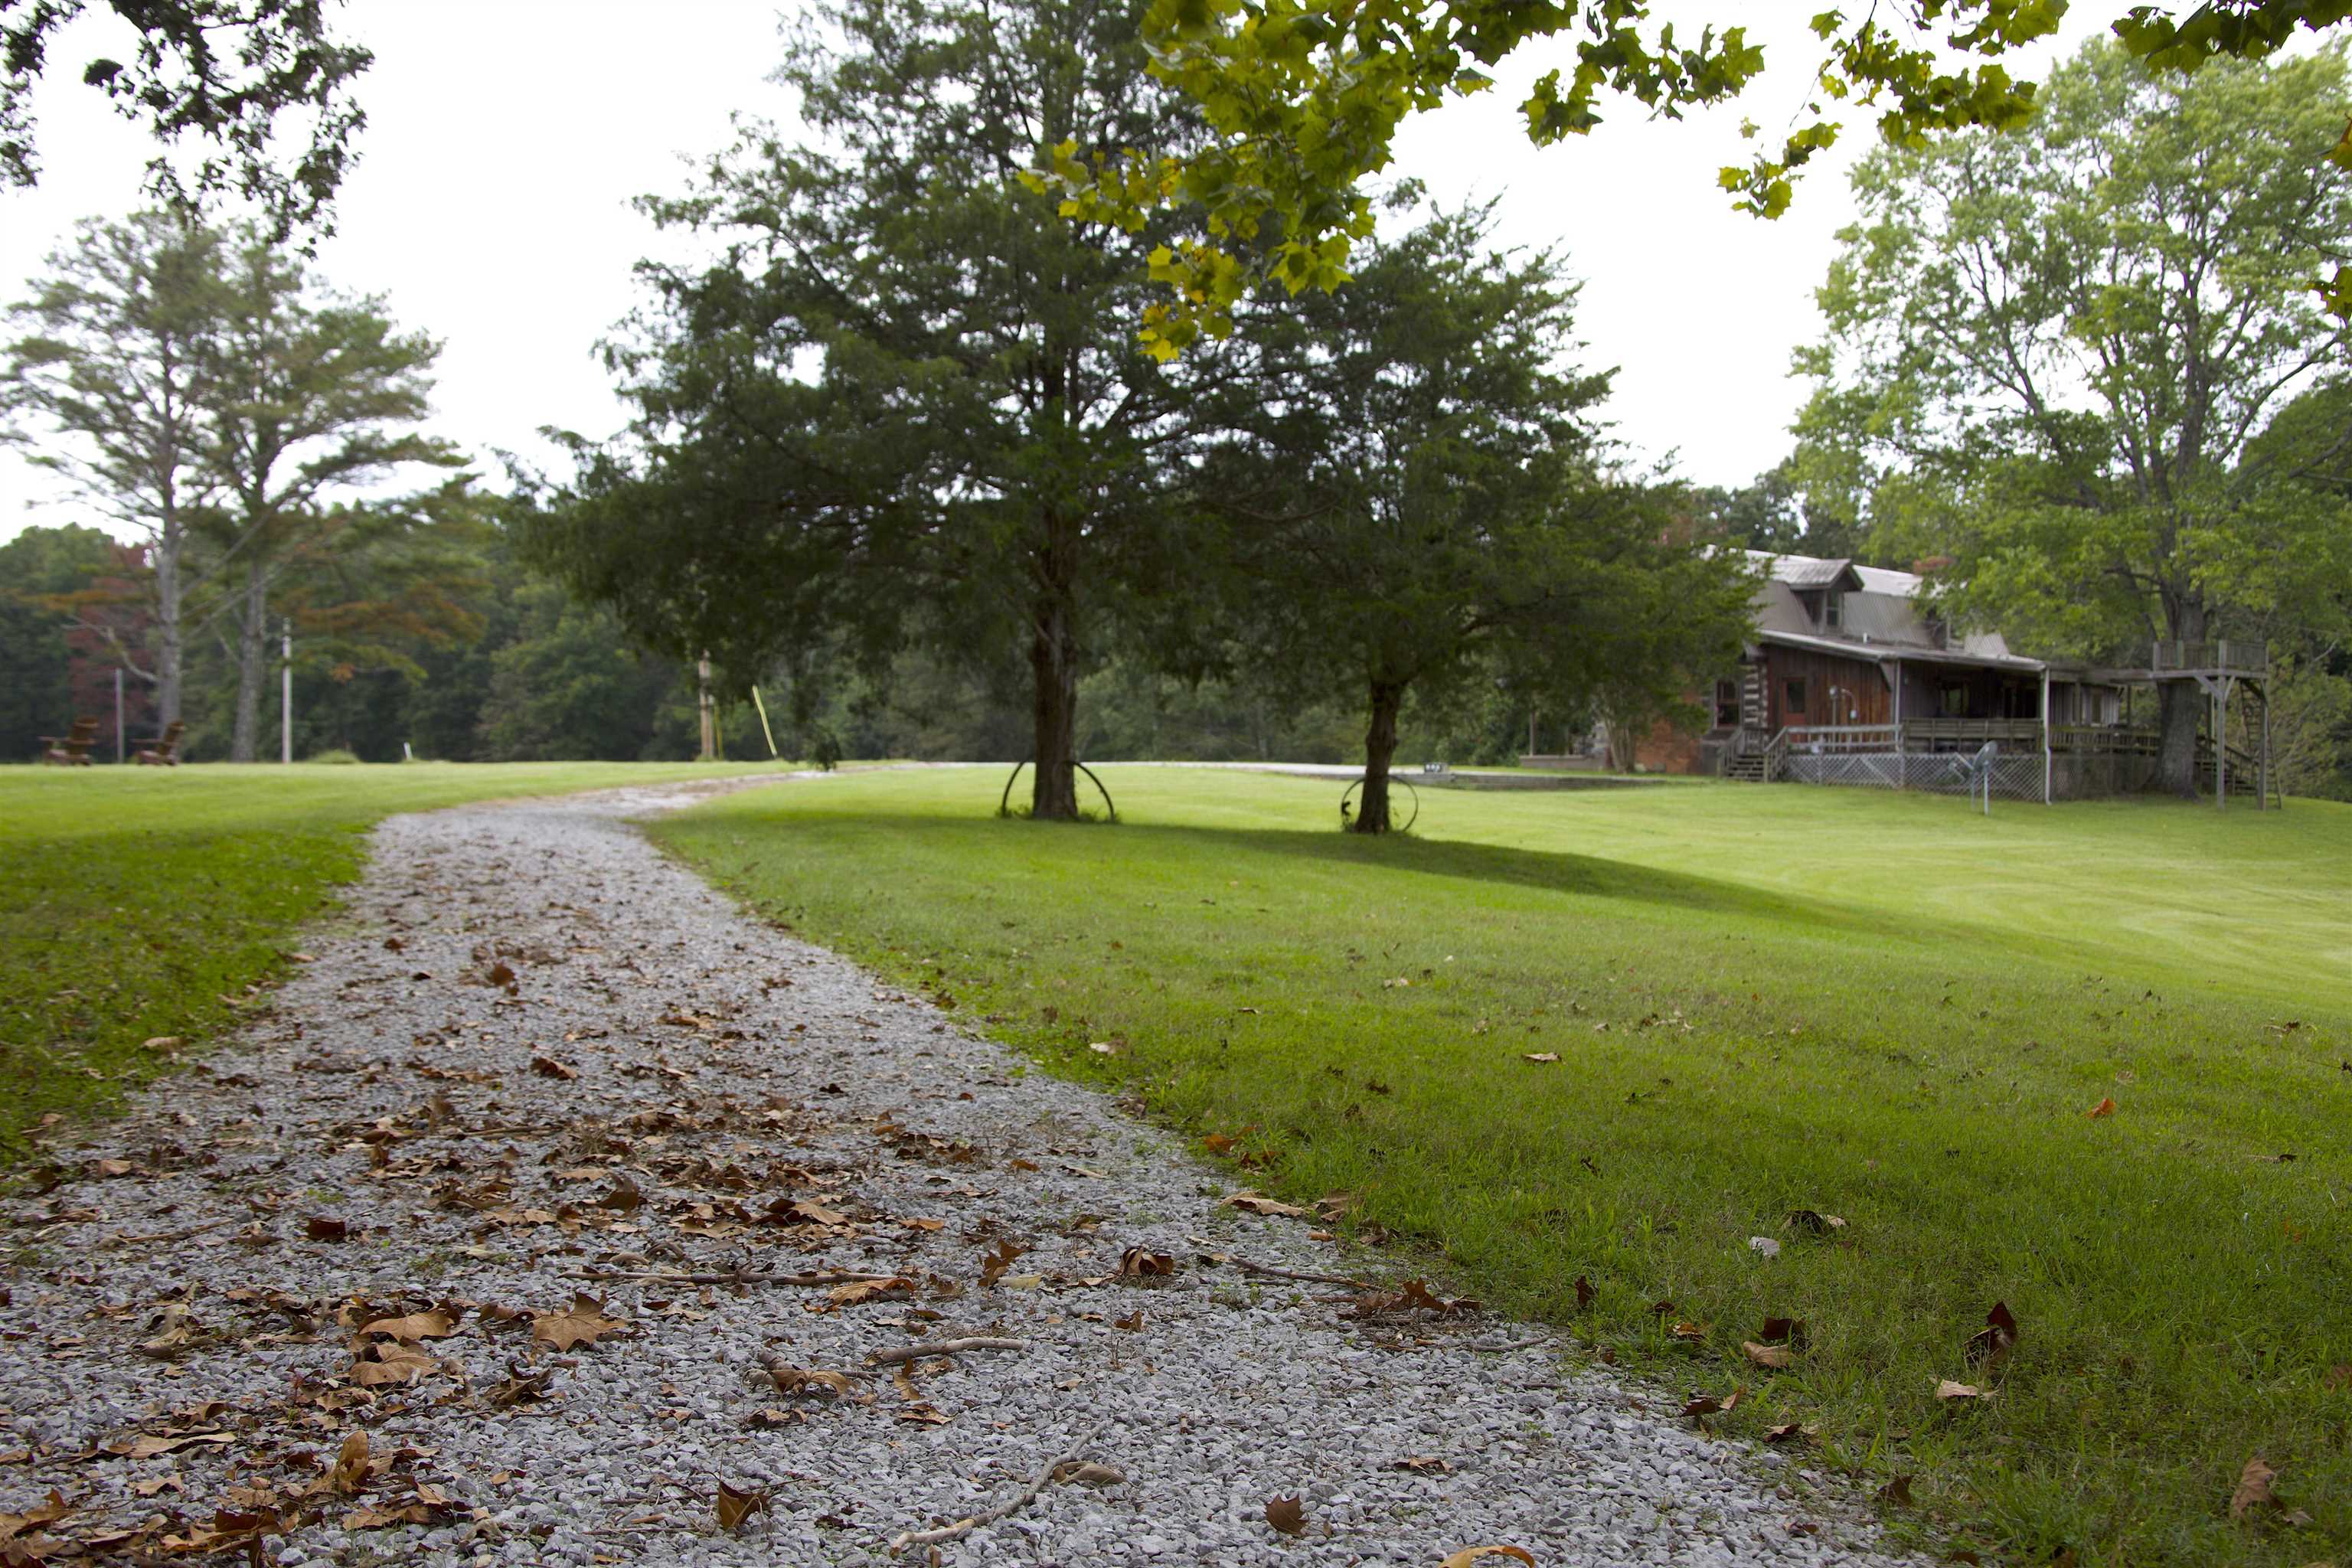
(2221, 653)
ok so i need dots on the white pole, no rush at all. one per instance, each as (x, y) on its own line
(286, 691)
(118, 715)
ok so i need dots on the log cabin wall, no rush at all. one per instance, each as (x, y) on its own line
(1798, 683)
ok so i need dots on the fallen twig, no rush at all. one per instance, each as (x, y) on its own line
(942, 1347)
(166, 1235)
(1246, 1266)
(1526, 1344)
(1013, 1505)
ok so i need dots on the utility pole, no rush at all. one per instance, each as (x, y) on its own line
(709, 735)
(286, 691)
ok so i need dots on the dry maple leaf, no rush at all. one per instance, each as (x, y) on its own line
(1470, 1555)
(1989, 1343)
(1253, 1202)
(15, 1524)
(579, 1325)
(1142, 1263)
(735, 1507)
(1778, 1357)
(349, 1474)
(2253, 1489)
(1287, 1514)
(803, 1380)
(394, 1365)
(436, 1324)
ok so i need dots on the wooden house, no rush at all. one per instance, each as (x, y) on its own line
(1850, 677)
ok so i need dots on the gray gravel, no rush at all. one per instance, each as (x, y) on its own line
(702, 1072)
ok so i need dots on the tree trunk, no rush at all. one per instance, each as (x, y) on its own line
(1054, 673)
(2181, 710)
(1380, 748)
(2180, 706)
(252, 662)
(168, 656)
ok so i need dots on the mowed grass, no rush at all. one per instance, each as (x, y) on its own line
(1881, 1008)
(138, 903)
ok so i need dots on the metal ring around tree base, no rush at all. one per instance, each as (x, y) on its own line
(1005, 801)
(1349, 793)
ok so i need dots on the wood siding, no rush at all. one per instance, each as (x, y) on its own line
(1863, 695)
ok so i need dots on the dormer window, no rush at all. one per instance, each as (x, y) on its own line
(1833, 609)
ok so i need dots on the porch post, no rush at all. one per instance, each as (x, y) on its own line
(1902, 768)
(2264, 798)
(2045, 734)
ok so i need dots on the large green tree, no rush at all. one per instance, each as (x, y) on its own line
(1306, 96)
(1462, 526)
(905, 405)
(2056, 356)
(106, 388)
(308, 399)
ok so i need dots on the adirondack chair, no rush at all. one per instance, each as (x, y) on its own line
(71, 749)
(165, 751)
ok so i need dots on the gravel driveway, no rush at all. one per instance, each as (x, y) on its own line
(437, 1264)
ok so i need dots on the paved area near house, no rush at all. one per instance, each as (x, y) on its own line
(557, 1212)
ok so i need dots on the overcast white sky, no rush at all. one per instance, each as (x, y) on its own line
(506, 138)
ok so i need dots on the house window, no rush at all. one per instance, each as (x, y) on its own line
(1726, 705)
(1956, 702)
(1793, 697)
(1833, 610)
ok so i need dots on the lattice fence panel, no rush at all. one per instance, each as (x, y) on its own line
(2015, 776)
(1867, 770)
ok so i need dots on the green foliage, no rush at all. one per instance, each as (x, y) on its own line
(1456, 524)
(2085, 360)
(219, 72)
(1788, 1024)
(37, 695)
(1305, 97)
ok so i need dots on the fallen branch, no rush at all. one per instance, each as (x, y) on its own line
(1013, 1505)
(822, 1277)
(1246, 1266)
(941, 1347)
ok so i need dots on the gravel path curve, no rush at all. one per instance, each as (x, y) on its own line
(344, 1286)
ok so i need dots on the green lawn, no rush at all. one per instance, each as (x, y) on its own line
(143, 902)
(1884, 1008)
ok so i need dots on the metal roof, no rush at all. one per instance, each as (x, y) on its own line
(1881, 653)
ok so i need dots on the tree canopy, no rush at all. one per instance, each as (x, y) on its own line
(1305, 97)
(223, 74)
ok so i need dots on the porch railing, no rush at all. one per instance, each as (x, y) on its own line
(2221, 653)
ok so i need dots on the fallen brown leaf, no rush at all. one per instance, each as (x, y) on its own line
(1948, 1389)
(548, 1067)
(394, 1365)
(1895, 1493)
(1252, 1202)
(1787, 1331)
(2337, 1377)
(2105, 1108)
(1790, 1432)
(349, 1474)
(735, 1507)
(1811, 1222)
(2253, 1489)
(1991, 1342)
(1470, 1555)
(1090, 1475)
(326, 1227)
(1539, 1056)
(436, 1324)
(580, 1325)
(1139, 1263)
(1422, 1464)
(1778, 1357)
(1584, 1292)
(1287, 1515)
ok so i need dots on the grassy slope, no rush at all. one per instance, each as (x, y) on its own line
(136, 903)
(1878, 1007)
